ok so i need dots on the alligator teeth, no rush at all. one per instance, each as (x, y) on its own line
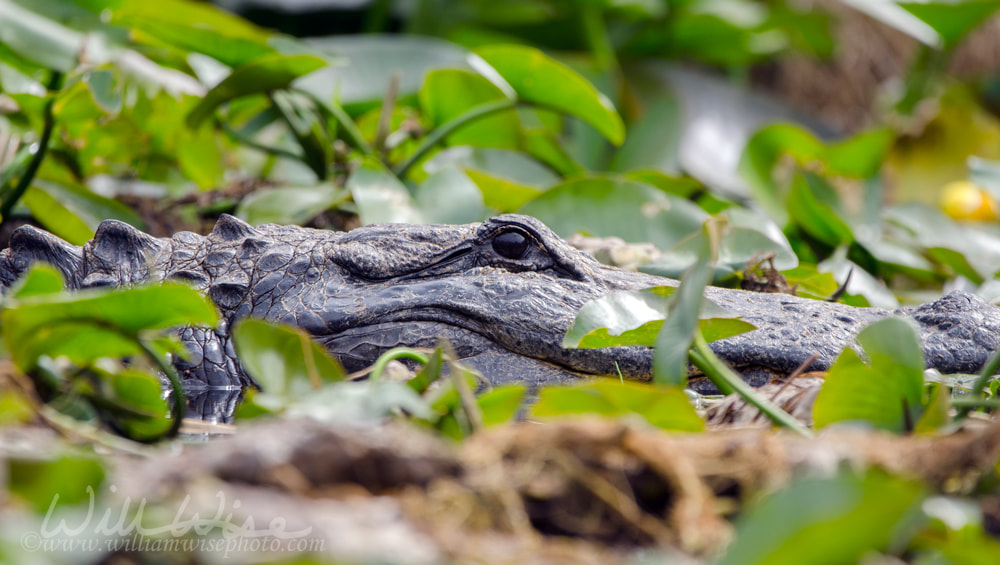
(231, 228)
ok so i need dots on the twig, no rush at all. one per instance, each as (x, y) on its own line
(385, 115)
(987, 373)
(727, 381)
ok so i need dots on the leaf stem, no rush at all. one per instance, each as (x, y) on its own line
(392, 355)
(178, 407)
(354, 137)
(727, 381)
(43, 144)
(447, 128)
(978, 394)
(251, 143)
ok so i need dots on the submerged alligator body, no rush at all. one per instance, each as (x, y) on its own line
(503, 292)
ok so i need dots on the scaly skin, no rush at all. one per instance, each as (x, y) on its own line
(503, 292)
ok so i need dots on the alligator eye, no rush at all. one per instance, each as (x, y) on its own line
(511, 244)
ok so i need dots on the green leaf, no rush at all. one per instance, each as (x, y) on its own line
(72, 211)
(370, 61)
(653, 140)
(952, 20)
(501, 404)
(58, 482)
(199, 157)
(285, 361)
(449, 197)
(504, 195)
(359, 403)
(666, 408)
(888, 393)
(865, 513)
(141, 393)
(449, 93)
(609, 207)
(191, 26)
(272, 72)
(812, 215)
(41, 279)
(502, 164)
(670, 359)
(380, 197)
(538, 79)
(95, 323)
(738, 246)
(860, 156)
(288, 204)
(712, 329)
(633, 316)
(39, 39)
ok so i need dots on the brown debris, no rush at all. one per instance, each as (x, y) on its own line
(794, 395)
(760, 278)
(582, 491)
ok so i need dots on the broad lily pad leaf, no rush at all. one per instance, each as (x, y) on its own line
(712, 329)
(653, 140)
(272, 72)
(888, 392)
(813, 215)
(72, 211)
(503, 195)
(858, 157)
(941, 23)
(633, 317)
(504, 164)
(972, 252)
(604, 207)
(359, 403)
(737, 247)
(380, 197)
(666, 408)
(449, 93)
(39, 39)
(952, 20)
(285, 361)
(95, 323)
(370, 62)
(538, 79)
(191, 26)
(986, 174)
(449, 197)
(288, 204)
(866, 513)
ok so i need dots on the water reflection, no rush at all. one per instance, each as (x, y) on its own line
(212, 405)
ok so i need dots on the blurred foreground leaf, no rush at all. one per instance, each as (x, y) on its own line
(888, 392)
(794, 525)
(666, 408)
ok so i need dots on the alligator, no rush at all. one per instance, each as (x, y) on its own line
(503, 292)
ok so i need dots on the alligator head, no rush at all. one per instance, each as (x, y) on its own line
(503, 292)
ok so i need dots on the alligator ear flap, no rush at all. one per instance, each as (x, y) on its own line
(119, 248)
(231, 228)
(29, 245)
